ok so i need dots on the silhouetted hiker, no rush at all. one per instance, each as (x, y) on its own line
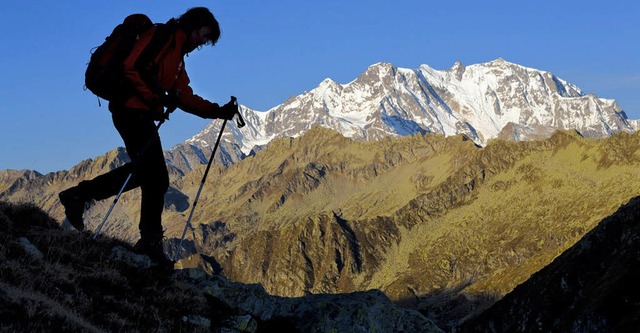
(162, 84)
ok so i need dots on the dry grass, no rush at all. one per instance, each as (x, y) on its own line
(74, 287)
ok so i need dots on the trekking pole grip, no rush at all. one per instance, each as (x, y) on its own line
(240, 121)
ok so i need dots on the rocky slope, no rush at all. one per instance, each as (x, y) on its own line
(58, 280)
(591, 287)
(55, 280)
(13, 179)
(411, 215)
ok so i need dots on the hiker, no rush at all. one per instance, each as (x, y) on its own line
(163, 84)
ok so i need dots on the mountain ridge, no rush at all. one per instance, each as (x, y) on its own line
(253, 212)
(496, 99)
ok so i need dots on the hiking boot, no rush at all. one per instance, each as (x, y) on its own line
(153, 249)
(74, 205)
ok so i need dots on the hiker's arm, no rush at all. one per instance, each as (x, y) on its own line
(192, 103)
(141, 89)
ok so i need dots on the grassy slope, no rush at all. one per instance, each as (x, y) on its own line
(519, 221)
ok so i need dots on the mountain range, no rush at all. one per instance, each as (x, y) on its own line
(314, 196)
(497, 99)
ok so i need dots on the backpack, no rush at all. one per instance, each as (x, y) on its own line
(105, 72)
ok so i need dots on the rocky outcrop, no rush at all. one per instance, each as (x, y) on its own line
(320, 255)
(367, 311)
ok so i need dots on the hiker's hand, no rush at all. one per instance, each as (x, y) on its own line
(212, 113)
(227, 111)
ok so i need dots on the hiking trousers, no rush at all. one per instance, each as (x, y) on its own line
(148, 168)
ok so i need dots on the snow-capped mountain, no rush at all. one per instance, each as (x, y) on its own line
(497, 99)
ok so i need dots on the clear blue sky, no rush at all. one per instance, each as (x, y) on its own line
(271, 50)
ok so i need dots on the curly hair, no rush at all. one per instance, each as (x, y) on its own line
(198, 17)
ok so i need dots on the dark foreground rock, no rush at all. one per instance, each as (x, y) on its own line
(368, 311)
(52, 279)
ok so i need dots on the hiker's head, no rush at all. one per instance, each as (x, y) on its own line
(201, 26)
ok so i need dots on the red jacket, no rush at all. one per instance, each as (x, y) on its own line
(171, 77)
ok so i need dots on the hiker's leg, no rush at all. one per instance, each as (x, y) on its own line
(150, 173)
(143, 144)
(135, 130)
(154, 182)
(108, 184)
(130, 123)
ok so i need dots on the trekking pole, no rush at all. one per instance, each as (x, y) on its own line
(240, 123)
(165, 117)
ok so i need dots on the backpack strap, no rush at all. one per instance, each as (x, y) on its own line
(146, 64)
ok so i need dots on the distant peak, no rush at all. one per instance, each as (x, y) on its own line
(376, 71)
(328, 82)
(498, 62)
(382, 68)
(457, 65)
(458, 69)
(502, 62)
(381, 65)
